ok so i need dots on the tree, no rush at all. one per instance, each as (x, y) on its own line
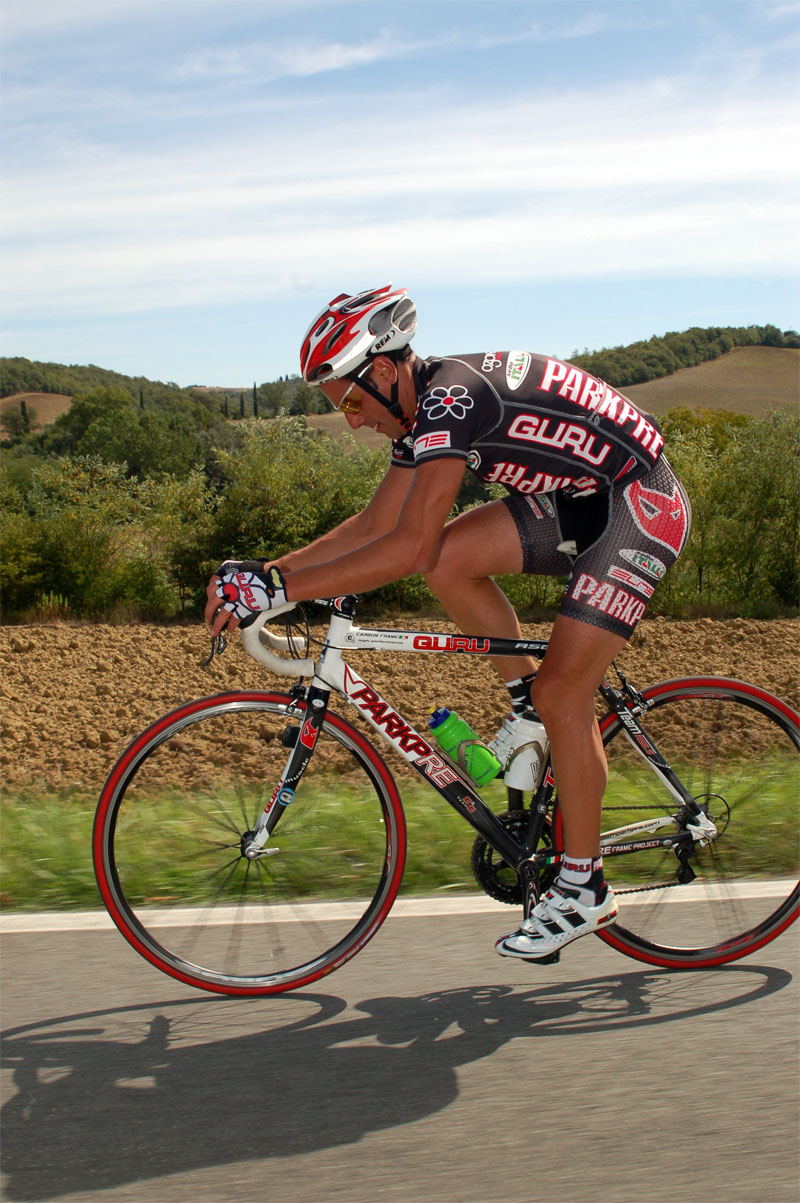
(151, 444)
(102, 404)
(307, 400)
(17, 423)
(759, 509)
(272, 398)
(286, 487)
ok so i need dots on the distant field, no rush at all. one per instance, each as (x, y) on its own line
(46, 406)
(748, 380)
(336, 425)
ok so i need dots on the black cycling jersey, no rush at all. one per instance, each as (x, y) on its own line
(529, 422)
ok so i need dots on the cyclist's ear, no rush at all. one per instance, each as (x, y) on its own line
(384, 369)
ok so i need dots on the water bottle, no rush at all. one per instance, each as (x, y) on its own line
(458, 740)
(530, 745)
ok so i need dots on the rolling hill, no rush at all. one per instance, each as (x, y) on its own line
(46, 406)
(746, 380)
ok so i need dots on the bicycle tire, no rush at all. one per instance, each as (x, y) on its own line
(737, 748)
(167, 847)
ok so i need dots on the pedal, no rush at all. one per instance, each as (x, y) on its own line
(552, 959)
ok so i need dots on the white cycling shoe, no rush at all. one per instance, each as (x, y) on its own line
(521, 747)
(557, 919)
(514, 734)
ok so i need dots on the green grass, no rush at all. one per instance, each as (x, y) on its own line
(46, 851)
(46, 854)
(758, 833)
(46, 858)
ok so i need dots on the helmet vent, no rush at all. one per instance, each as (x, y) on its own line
(333, 337)
(380, 322)
(404, 314)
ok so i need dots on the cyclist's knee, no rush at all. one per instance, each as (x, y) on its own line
(559, 697)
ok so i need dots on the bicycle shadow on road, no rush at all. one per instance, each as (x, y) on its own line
(110, 1098)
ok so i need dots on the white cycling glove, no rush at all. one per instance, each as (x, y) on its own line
(247, 589)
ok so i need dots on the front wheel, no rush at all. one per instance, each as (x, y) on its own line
(168, 846)
(736, 748)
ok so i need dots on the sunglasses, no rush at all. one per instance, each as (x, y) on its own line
(348, 404)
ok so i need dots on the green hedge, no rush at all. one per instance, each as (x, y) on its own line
(83, 537)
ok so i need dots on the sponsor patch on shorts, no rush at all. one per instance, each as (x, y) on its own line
(645, 563)
(605, 597)
(631, 579)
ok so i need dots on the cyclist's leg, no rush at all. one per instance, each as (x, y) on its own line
(485, 541)
(606, 595)
(475, 546)
(563, 693)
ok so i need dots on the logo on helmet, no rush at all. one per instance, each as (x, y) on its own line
(387, 338)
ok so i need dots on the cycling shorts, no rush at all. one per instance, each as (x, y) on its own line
(614, 547)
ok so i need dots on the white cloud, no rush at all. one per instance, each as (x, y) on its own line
(778, 10)
(298, 57)
(30, 19)
(240, 193)
(269, 60)
(276, 59)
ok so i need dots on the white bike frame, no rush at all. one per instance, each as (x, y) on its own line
(332, 672)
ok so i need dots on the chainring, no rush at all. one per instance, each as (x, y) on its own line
(493, 875)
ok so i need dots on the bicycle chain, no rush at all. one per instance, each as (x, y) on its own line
(666, 885)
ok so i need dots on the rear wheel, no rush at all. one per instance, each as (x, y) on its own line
(168, 842)
(737, 750)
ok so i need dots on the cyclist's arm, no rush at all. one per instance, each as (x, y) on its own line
(411, 545)
(378, 516)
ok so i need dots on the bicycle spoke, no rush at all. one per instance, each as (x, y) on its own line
(739, 760)
(171, 844)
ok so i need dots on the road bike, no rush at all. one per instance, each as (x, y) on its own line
(251, 842)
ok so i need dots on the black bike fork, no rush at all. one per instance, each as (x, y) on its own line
(302, 741)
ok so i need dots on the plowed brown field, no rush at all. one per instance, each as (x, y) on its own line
(74, 696)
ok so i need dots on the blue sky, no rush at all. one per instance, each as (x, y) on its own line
(187, 182)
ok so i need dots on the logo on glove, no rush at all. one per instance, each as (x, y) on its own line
(246, 591)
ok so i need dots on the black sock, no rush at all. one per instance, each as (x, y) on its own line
(520, 692)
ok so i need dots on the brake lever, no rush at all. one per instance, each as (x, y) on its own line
(218, 645)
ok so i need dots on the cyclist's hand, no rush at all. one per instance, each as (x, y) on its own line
(240, 589)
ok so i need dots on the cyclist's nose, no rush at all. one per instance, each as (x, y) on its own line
(355, 421)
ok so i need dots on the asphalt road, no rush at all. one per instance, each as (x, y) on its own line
(427, 1068)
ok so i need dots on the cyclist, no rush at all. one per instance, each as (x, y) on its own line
(590, 496)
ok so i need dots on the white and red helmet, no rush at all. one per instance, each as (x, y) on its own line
(350, 330)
